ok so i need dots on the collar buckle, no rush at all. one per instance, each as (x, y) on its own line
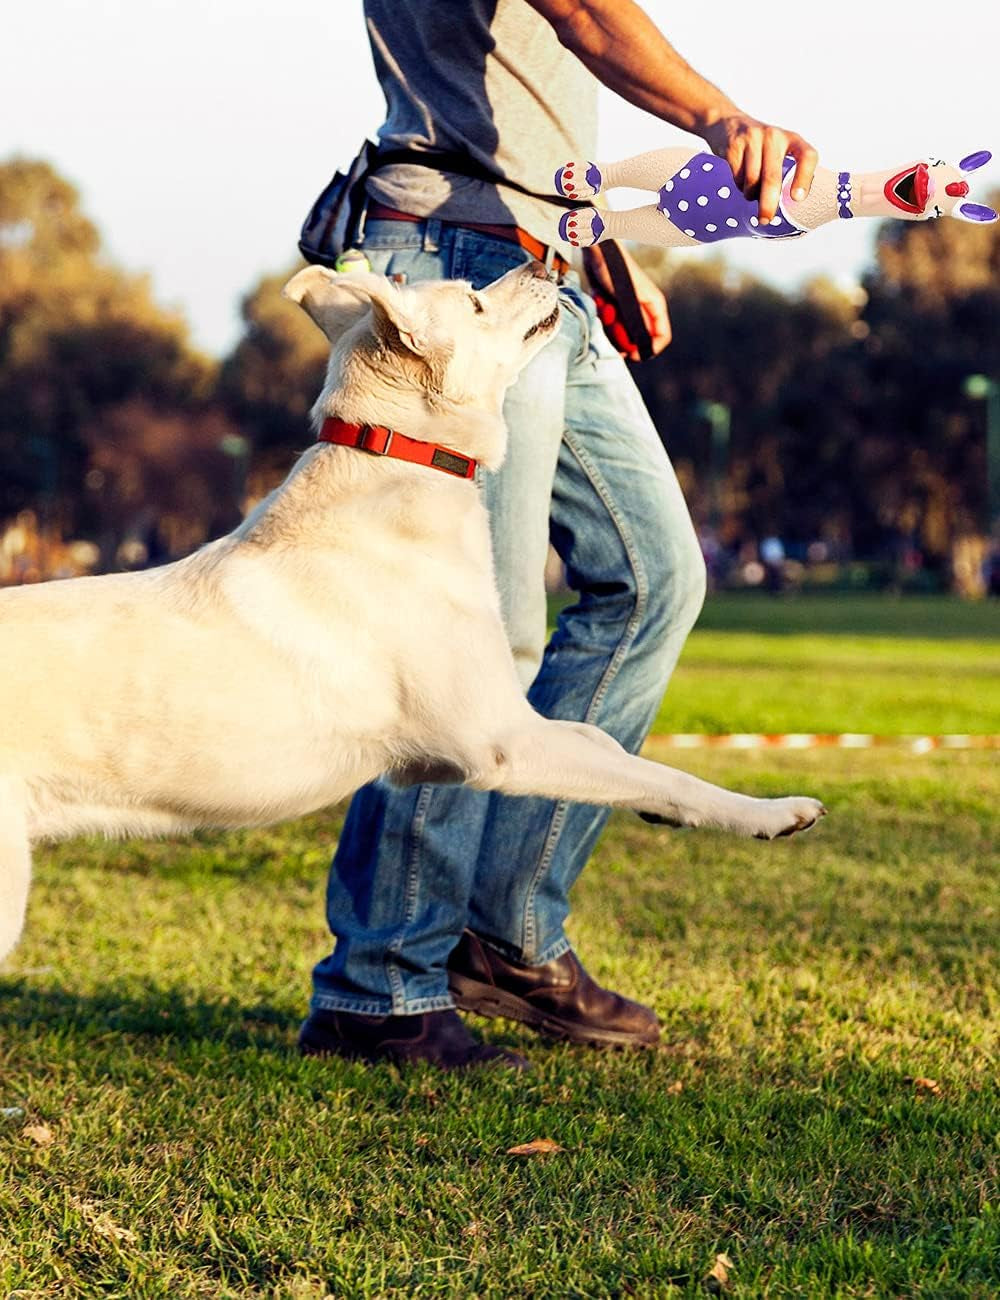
(375, 438)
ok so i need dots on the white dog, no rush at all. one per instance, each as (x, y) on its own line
(349, 627)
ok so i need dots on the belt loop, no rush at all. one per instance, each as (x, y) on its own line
(432, 235)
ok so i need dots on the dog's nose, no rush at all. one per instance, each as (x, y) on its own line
(538, 269)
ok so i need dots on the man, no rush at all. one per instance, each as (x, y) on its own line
(440, 895)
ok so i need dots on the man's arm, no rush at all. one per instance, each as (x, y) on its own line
(625, 50)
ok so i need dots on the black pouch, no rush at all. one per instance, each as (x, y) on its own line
(335, 218)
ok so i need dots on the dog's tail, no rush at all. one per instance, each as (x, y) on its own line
(15, 862)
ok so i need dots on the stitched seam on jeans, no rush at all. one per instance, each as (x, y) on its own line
(332, 1002)
(641, 581)
(607, 677)
(412, 890)
(568, 301)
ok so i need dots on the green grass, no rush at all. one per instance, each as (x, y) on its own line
(832, 664)
(149, 1017)
(752, 681)
(936, 617)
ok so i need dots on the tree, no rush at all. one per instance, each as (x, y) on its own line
(83, 349)
(848, 415)
(274, 374)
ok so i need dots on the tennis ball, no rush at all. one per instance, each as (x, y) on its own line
(351, 259)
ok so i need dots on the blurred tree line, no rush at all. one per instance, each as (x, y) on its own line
(828, 417)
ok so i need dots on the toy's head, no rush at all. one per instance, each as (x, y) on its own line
(925, 189)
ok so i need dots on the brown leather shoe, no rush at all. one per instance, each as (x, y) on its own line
(559, 999)
(439, 1037)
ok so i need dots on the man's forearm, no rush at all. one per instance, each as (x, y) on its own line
(628, 53)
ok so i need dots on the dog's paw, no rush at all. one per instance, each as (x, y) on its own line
(582, 228)
(788, 816)
(579, 180)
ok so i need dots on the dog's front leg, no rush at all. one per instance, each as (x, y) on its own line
(578, 762)
(15, 864)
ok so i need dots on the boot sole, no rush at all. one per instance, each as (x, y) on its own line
(488, 1000)
(503, 1060)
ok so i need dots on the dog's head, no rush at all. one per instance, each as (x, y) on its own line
(432, 359)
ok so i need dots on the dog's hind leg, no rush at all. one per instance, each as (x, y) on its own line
(578, 762)
(15, 864)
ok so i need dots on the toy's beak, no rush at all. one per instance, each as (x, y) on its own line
(910, 189)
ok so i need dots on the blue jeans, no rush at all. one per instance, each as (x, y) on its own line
(586, 468)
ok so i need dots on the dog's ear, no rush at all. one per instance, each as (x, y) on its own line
(320, 293)
(335, 301)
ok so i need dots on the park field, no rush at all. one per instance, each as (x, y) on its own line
(824, 1110)
(839, 663)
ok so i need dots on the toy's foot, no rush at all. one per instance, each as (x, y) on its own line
(579, 180)
(581, 228)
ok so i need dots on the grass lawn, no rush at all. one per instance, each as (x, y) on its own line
(824, 1110)
(839, 663)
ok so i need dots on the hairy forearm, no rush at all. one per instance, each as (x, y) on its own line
(625, 50)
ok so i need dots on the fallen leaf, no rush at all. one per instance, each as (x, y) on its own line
(101, 1222)
(718, 1279)
(537, 1147)
(676, 1086)
(927, 1085)
(40, 1134)
(105, 1226)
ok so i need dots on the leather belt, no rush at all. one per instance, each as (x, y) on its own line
(510, 234)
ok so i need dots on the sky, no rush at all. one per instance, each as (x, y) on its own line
(199, 131)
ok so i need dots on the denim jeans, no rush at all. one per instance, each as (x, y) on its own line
(586, 468)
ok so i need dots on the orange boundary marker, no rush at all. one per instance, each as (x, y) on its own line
(846, 740)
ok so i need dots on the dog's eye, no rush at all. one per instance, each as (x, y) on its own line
(477, 304)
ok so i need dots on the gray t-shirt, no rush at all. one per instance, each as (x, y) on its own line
(490, 79)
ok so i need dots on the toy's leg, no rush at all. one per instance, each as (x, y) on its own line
(647, 225)
(579, 180)
(646, 171)
(649, 171)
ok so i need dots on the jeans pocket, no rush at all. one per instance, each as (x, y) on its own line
(481, 259)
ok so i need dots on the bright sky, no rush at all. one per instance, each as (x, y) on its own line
(198, 131)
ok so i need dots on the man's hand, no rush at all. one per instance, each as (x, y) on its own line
(651, 300)
(755, 153)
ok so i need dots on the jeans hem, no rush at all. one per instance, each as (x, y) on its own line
(507, 950)
(368, 1007)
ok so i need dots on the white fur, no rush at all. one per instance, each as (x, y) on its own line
(350, 626)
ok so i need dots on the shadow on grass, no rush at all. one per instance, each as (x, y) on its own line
(146, 1010)
(148, 1015)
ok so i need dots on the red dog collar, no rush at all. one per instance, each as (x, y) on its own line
(379, 441)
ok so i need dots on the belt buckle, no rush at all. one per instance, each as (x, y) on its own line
(554, 263)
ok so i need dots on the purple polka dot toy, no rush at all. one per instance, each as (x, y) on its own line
(699, 202)
(703, 201)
